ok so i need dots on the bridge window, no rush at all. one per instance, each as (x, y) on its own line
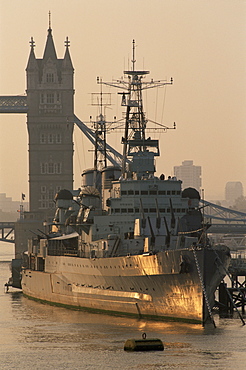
(58, 138)
(50, 98)
(43, 205)
(42, 138)
(43, 168)
(58, 168)
(50, 138)
(43, 189)
(51, 168)
(50, 77)
(51, 194)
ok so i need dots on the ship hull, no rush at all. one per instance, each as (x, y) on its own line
(165, 285)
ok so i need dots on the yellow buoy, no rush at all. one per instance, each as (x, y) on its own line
(152, 344)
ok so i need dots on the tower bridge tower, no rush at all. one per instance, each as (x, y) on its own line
(50, 122)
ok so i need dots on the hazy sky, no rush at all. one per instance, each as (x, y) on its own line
(200, 43)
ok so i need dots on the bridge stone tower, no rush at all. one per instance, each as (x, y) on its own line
(50, 101)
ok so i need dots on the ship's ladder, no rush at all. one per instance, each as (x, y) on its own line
(203, 289)
(220, 263)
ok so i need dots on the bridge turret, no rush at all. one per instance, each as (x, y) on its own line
(32, 70)
(50, 100)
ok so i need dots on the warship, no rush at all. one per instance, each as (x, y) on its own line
(128, 242)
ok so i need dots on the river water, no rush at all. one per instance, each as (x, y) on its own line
(37, 336)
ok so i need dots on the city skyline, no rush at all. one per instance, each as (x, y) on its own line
(202, 46)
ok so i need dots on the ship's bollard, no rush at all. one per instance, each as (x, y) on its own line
(152, 344)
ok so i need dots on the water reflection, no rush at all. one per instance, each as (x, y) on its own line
(35, 335)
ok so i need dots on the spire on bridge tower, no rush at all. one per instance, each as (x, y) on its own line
(49, 20)
(49, 51)
(67, 61)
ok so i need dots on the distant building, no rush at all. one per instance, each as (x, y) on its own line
(7, 204)
(233, 190)
(189, 174)
(10, 209)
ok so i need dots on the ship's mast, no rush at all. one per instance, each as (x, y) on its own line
(134, 140)
(100, 159)
(100, 127)
(135, 123)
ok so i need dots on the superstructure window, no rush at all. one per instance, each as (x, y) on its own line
(144, 192)
(162, 192)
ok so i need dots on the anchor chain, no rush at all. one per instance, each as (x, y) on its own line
(203, 288)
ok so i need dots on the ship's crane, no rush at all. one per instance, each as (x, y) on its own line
(114, 157)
